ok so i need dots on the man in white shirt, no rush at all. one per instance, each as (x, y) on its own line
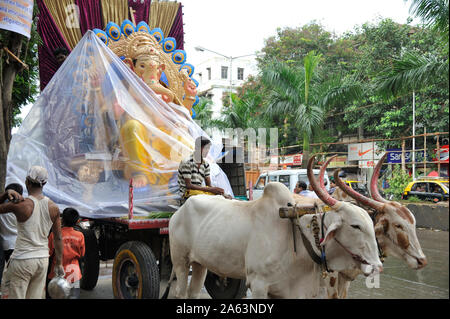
(302, 189)
(36, 216)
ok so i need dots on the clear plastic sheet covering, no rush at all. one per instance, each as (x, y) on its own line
(95, 126)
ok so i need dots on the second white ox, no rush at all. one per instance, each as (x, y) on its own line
(248, 240)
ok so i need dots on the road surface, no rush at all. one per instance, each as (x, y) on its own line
(396, 282)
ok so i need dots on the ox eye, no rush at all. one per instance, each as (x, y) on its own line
(398, 226)
(356, 227)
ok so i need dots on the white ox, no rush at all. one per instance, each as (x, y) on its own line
(248, 240)
(394, 226)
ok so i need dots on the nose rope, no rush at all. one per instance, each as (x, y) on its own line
(354, 256)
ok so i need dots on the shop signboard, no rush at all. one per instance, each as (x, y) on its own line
(363, 152)
(338, 161)
(395, 156)
(367, 164)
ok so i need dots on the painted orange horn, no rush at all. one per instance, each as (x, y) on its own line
(322, 171)
(354, 194)
(374, 181)
(321, 193)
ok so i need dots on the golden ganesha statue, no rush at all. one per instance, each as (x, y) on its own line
(162, 67)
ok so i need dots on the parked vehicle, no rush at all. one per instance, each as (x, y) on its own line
(358, 186)
(287, 177)
(427, 189)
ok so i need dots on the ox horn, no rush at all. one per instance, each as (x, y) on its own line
(357, 196)
(322, 171)
(374, 181)
(321, 193)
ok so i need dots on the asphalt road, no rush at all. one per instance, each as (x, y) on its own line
(396, 282)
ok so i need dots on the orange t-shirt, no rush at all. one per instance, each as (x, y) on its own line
(73, 248)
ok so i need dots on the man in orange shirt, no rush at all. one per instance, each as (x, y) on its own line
(74, 248)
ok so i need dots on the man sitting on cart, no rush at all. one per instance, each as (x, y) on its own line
(194, 172)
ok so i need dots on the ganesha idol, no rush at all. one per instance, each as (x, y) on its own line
(156, 61)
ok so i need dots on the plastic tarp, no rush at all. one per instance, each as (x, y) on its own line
(95, 126)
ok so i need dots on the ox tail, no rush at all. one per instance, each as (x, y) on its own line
(166, 292)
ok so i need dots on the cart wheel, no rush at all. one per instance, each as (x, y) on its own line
(90, 263)
(135, 272)
(225, 288)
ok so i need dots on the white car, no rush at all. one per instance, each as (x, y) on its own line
(288, 177)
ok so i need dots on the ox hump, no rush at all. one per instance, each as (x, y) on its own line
(279, 193)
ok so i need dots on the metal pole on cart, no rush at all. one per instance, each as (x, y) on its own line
(130, 200)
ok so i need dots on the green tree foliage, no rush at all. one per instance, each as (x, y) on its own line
(398, 182)
(357, 61)
(18, 85)
(300, 95)
(243, 113)
(203, 112)
(434, 13)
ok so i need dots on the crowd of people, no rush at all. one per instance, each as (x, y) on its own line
(31, 234)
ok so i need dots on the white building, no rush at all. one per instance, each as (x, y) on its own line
(213, 75)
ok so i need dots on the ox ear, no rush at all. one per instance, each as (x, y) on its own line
(331, 231)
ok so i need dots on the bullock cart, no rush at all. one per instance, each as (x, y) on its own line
(140, 249)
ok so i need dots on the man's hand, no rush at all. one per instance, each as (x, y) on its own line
(216, 190)
(14, 196)
(59, 271)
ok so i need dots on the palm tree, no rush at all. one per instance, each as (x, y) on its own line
(303, 95)
(434, 14)
(413, 71)
(243, 113)
(203, 112)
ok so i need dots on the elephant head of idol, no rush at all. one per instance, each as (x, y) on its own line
(144, 58)
(152, 57)
(395, 225)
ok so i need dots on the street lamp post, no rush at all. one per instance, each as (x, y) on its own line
(231, 58)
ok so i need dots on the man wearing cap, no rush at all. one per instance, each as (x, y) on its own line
(194, 172)
(36, 216)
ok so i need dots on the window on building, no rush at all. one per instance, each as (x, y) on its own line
(240, 74)
(224, 72)
(209, 73)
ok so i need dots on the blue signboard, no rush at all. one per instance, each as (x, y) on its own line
(395, 156)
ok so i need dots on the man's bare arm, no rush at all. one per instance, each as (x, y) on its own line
(215, 190)
(57, 237)
(8, 208)
(11, 195)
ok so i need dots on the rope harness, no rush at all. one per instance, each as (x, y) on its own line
(317, 232)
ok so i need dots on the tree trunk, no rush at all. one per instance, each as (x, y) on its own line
(360, 133)
(305, 157)
(10, 71)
